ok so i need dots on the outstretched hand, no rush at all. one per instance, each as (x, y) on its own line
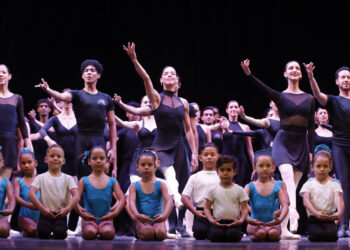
(245, 66)
(130, 50)
(309, 69)
(117, 98)
(241, 112)
(43, 85)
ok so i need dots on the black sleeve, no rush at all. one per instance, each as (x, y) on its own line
(327, 126)
(311, 127)
(47, 125)
(273, 94)
(21, 121)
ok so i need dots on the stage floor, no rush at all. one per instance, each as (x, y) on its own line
(121, 243)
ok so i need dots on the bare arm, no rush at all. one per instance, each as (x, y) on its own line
(143, 111)
(339, 203)
(308, 205)
(113, 141)
(261, 123)
(38, 205)
(168, 204)
(66, 96)
(19, 200)
(190, 137)
(249, 146)
(152, 94)
(125, 124)
(194, 131)
(132, 200)
(321, 98)
(121, 201)
(11, 200)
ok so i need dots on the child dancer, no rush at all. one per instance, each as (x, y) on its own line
(97, 190)
(5, 191)
(229, 203)
(146, 198)
(263, 223)
(322, 198)
(54, 203)
(28, 216)
(197, 188)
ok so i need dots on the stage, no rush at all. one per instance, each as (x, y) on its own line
(121, 242)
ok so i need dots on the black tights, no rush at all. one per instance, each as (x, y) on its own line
(225, 234)
(47, 226)
(320, 230)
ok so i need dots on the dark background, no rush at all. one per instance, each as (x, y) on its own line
(204, 41)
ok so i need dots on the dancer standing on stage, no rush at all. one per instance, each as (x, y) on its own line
(11, 108)
(339, 109)
(291, 145)
(91, 108)
(171, 115)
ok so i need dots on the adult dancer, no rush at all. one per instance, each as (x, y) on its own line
(65, 126)
(91, 108)
(171, 115)
(323, 134)
(291, 145)
(12, 116)
(339, 109)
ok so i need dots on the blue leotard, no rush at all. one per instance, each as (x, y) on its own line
(149, 204)
(3, 190)
(23, 193)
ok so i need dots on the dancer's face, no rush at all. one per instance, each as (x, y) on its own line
(90, 74)
(5, 76)
(43, 109)
(322, 116)
(226, 173)
(208, 117)
(232, 109)
(169, 76)
(292, 71)
(321, 167)
(146, 166)
(145, 101)
(264, 166)
(197, 111)
(97, 159)
(55, 158)
(27, 163)
(343, 80)
(208, 157)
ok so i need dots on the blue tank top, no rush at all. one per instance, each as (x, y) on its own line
(3, 191)
(263, 207)
(149, 204)
(98, 201)
(23, 193)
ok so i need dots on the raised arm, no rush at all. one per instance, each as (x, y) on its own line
(320, 97)
(261, 123)
(152, 94)
(66, 96)
(126, 124)
(45, 128)
(143, 111)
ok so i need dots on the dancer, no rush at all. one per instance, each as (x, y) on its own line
(323, 199)
(28, 214)
(237, 145)
(209, 119)
(146, 197)
(97, 190)
(171, 115)
(11, 107)
(322, 133)
(294, 139)
(54, 203)
(339, 109)
(263, 224)
(92, 108)
(5, 191)
(197, 187)
(65, 126)
(229, 203)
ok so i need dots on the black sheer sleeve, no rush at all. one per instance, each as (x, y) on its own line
(311, 126)
(273, 94)
(47, 126)
(20, 114)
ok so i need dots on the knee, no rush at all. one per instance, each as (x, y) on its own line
(31, 231)
(217, 236)
(4, 231)
(160, 234)
(331, 236)
(60, 233)
(89, 233)
(259, 235)
(200, 233)
(234, 236)
(107, 234)
(44, 233)
(146, 234)
(273, 235)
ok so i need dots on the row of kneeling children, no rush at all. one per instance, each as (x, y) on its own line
(220, 206)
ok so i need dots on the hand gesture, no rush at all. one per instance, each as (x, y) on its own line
(235, 222)
(245, 66)
(200, 214)
(112, 156)
(87, 216)
(144, 219)
(117, 98)
(322, 215)
(130, 50)
(108, 216)
(6, 212)
(216, 222)
(255, 222)
(32, 114)
(309, 69)
(62, 213)
(43, 85)
(48, 214)
(224, 123)
(241, 111)
(159, 218)
(194, 163)
(275, 222)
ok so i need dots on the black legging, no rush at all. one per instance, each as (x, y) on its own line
(320, 230)
(58, 227)
(225, 234)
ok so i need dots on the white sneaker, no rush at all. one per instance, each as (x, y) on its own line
(171, 236)
(289, 236)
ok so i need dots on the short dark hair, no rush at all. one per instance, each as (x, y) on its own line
(208, 108)
(8, 70)
(45, 100)
(226, 159)
(98, 66)
(259, 153)
(54, 146)
(341, 69)
(208, 145)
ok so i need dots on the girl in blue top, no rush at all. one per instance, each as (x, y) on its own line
(97, 191)
(5, 190)
(146, 199)
(28, 214)
(264, 223)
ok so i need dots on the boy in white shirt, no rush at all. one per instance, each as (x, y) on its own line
(55, 188)
(197, 187)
